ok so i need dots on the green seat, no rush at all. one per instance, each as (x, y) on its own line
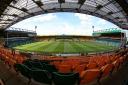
(65, 79)
(41, 76)
(44, 61)
(36, 64)
(24, 70)
(28, 63)
(33, 63)
(49, 68)
(17, 67)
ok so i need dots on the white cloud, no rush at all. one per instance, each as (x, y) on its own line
(85, 27)
(43, 18)
(61, 28)
(46, 18)
(31, 22)
(102, 21)
(84, 19)
(40, 18)
(87, 21)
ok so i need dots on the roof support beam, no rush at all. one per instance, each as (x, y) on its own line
(61, 1)
(109, 3)
(81, 2)
(14, 15)
(123, 4)
(23, 9)
(11, 15)
(60, 7)
(6, 20)
(118, 11)
(39, 4)
(101, 6)
(113, 13)
(3, 5)
(4, 23)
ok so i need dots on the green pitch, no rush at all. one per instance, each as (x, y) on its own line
(65, 47)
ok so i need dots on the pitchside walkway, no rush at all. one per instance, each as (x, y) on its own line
(11, 78)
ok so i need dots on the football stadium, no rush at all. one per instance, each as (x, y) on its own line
(70, 58)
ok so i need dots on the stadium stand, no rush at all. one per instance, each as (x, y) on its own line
(111, 36)
(89, 69)
(13, 42)
(65, 71)
(18, 36)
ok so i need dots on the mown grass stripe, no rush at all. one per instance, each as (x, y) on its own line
(59, 48)
(51, 47)
(77, 47)
(36, 48)
(68, 48)
(65, 47)
(28, 45)
(98, 46)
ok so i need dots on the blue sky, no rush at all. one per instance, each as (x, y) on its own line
(64, 23)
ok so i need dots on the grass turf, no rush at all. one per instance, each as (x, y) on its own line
(65, 47)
